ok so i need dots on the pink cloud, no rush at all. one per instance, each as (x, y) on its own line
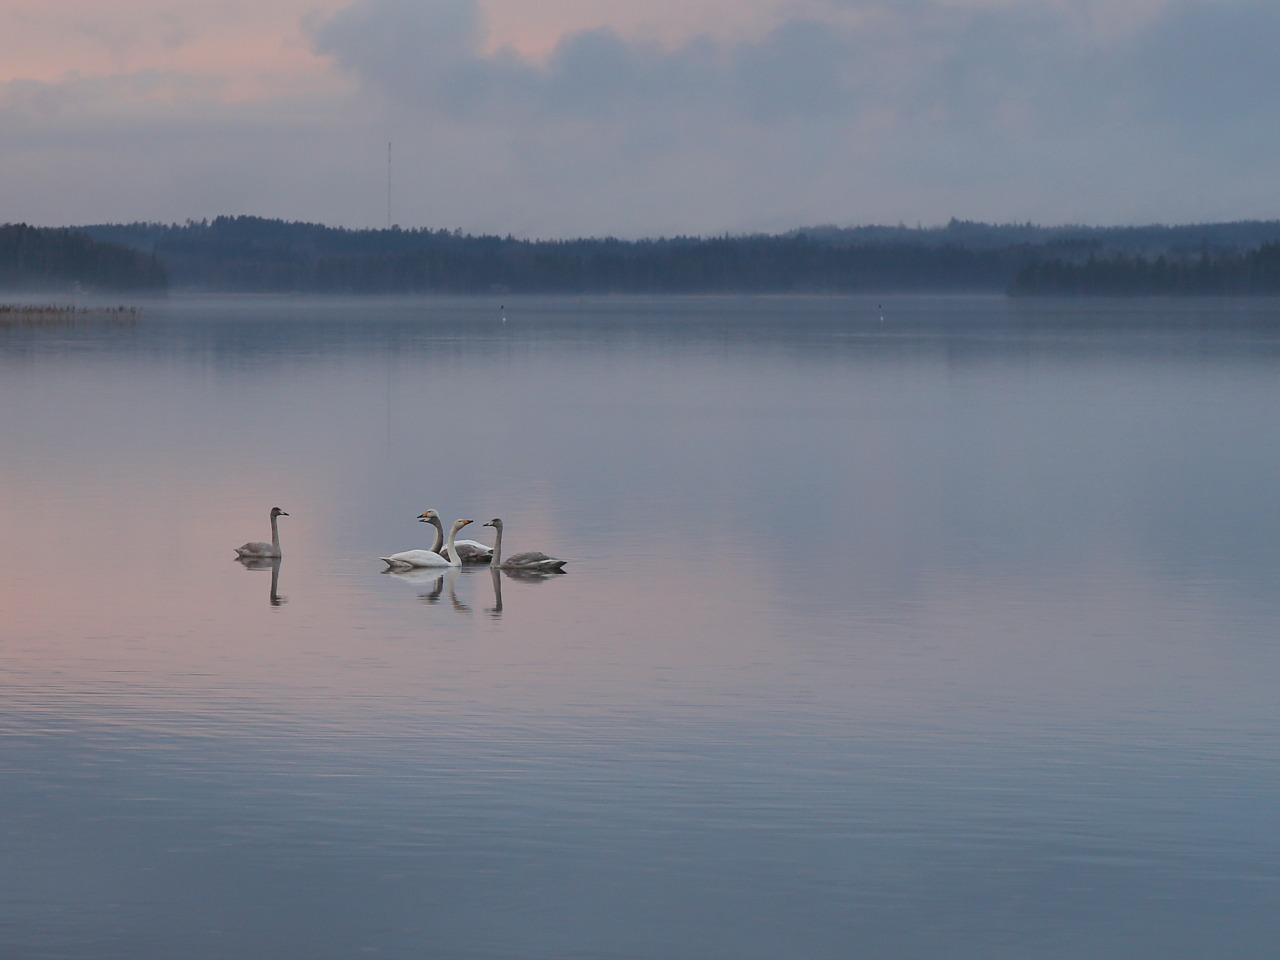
(252, 50)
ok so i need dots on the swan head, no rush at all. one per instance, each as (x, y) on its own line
(428, 516)
(459, 524)
(277, 512)
(495, 523)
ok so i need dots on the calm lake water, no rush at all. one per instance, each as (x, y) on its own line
(905, 628)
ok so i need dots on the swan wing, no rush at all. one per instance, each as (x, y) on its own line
(415, 558)
(533, 560)
(471, 551)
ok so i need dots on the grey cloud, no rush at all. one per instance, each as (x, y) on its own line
(431, 55)
(391, 39)
(918, 109)
(598, 73)
(914, 110)
(422, 53)
(800, 69)
(966, 67)
(1211, 64)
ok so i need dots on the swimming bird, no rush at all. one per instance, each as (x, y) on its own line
(469, 551)
(256, 548)
(529, 560)
(426, 558)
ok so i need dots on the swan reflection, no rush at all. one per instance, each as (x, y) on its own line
(520, 576)
(531, 576)
(496, 610)
(436, 580)
(266, 563)
(433, 583)
(451, 581)
(432, 579)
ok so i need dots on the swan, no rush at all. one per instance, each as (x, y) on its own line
(530, 560)
(256, 548)
(469, 551)
(425, 558)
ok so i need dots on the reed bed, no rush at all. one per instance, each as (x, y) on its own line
(34, 314)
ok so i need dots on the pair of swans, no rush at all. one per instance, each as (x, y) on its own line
(409, 559)
(453, 554)
(457, 552)
(468, 551)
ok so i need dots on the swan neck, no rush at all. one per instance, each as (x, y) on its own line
(435, 522)
(497, 548)
(454, 559)
(275, 533)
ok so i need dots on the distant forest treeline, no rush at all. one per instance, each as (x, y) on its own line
(252, 254)
(1254, 273)
(59, 259)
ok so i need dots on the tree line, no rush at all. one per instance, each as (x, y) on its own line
(255, 254)
(252, 254)
(44, 258)
(1252, 273)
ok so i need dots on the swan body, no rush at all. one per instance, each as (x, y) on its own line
(469, 551)
(256, 549)
(531, 560)
(409, 559)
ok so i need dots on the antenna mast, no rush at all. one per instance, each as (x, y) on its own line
(388, 184)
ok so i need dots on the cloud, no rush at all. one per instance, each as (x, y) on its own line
(433, 56)
(807, 111)
(800, 69)
(1209, 64)
(969, 64)
(425, 54)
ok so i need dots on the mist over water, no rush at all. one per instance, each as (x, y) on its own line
(894, 628)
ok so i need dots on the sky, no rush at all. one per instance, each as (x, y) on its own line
(565, 118)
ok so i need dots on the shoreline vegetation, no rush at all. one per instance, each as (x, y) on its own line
(255, 255)
(54, 259)
(42, 314)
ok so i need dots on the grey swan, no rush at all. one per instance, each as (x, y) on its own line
(530, 560)
(257, 549)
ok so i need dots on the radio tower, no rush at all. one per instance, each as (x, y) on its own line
(388, 184)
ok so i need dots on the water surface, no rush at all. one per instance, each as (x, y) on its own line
(897, 628)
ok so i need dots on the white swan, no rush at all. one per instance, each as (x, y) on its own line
(425, 558)
(529, 560)
(469, 551)
(256, 548)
